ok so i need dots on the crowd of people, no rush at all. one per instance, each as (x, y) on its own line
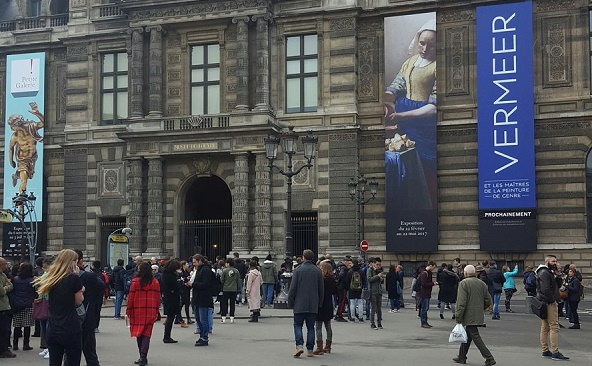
(319, 292)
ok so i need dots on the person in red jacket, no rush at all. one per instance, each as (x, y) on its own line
(142, 309)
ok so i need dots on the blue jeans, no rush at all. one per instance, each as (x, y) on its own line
(299, 320)
(202, 316)
(424, 304)
(496, 300)
(118, 302)
(268, 293)
(395, 304)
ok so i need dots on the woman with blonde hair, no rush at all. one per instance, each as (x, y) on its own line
(64, 288)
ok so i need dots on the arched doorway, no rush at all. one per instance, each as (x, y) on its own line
(206, 226)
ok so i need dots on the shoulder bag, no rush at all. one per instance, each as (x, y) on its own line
(41, 309)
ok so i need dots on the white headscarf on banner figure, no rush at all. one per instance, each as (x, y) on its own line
(413, 46)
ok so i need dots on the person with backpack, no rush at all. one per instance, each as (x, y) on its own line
(426, 283)
(529, 281)
(355, 283)
(341, 278)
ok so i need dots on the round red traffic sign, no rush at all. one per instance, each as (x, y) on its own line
(364, 245)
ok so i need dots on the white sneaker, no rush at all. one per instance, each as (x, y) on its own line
(46, 356)
(44, 352)
(232, 320)
(223, 319)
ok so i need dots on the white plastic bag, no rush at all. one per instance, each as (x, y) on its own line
(458, 334)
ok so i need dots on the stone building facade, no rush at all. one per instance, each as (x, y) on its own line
(140, 169)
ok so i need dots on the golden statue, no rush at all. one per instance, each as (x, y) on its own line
(24, 143)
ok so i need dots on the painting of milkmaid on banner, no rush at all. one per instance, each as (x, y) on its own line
(410, 101)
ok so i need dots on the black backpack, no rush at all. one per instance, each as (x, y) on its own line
(417, 285)
(216, 285)
(128, 276)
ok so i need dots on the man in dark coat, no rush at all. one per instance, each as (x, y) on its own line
(305, 296)
(495, 283)
(425, 292)
(202, 296)
(118, 272)
(473, 298)
(548, 293)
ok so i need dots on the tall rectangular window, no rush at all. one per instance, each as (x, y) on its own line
(205, 79)
(114, 88)
(302, 74)
(35, 8)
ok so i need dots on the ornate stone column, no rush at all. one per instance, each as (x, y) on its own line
(134, 198)
(240, 204)
(242, 62)
(156, 244)
(155, 71)
(262, 81)
(137, 73)
(262, 204)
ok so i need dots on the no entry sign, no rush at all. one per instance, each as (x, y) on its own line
(364, 245)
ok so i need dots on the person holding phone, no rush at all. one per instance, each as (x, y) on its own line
(62, 284)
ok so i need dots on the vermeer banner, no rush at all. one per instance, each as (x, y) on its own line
(507, 201)
(410, 133)
(23, 139)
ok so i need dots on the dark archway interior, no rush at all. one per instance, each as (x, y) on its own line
(208, 198)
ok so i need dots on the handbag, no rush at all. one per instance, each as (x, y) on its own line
(81, 312)
(458, 334)
(41, 309)
(538, 308)
(564, 294)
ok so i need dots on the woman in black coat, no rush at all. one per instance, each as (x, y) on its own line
(171, 296)
(394, 288)
(325, 314)
(448, 288)
(572, 285)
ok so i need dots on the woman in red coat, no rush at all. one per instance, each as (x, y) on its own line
(143, 302)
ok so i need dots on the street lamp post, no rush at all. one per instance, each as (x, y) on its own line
(290, 140)
(24, 206)
(357, 192)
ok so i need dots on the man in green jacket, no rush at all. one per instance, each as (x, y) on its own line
(471, 301)
(5, 288)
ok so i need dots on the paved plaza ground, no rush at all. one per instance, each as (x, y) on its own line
(513, 341)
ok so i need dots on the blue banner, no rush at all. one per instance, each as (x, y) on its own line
(24, 126)
(505, 106)
(506, 125)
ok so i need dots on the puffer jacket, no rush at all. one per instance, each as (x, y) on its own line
(23, 294)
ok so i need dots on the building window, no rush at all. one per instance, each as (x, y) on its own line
(301, 74)
(205, 79)
(35, 8)
(114, 88)
(589, 194)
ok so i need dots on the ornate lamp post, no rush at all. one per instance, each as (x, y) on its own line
(290, 140)
(357, 192)
(25, 206)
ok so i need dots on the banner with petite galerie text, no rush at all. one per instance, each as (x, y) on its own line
(507, 200)
(410, 101)
(23, 141)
